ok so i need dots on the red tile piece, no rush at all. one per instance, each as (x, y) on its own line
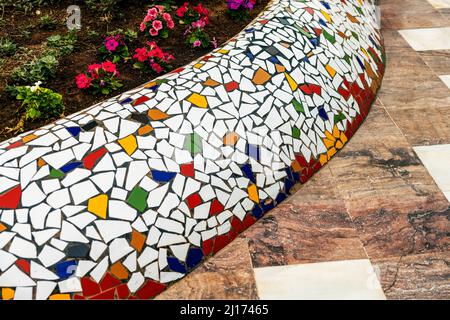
(316, 89)
(122, 291)
(187, 169)
(90, 287)
(15, 145)
(207, 246)
(231, 86)
(140, 100)
(216, 208)
(194, 200)
(11, 199)
(109, 282)
(78, 297)
(220, 242)
(150, 289)
(24, 265)
(305, 88)
(90, 160)
(107, 295)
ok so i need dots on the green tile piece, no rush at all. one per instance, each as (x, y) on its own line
(56, 173)
(193, 143)
(296, 133)
(138, 199)
(298, 106)
(339, 117)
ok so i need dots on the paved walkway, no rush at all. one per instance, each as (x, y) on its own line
(375, 222)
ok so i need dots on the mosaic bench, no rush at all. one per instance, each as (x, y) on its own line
(122, 199)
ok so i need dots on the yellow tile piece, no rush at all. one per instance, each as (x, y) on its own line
(253, 193)
(230, 139)
(7, 294)
(129, 144)
(198, 65)
(336, 132)
(323, 159)
(328, 143)
(210, 83)
(29, 138)
(326, 15)
(198, 100)
(291, 81)
(64, 296)
(339, 145)
(365, 53)
(145, 129)
(330, 70)
(98, 205)
(2, 227)
(156, 114)
(343, 138)
(261, 76)
(331, 152)
(150, 84)
(223, 51)
(329, 136)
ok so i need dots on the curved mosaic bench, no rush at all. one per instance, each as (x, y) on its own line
(126, 197)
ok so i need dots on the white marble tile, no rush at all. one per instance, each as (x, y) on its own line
(447, 195)
(440, 4)
(347, 280)
(446, 80)
(427, 38)
(437, 161)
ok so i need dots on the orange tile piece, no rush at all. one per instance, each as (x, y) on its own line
(29, 138)
(7, 294)
(41, 162)
(210, 83)
(231, 139)
(261, 76)
(330, 70)
(253, 193)
(296, 166)
(198, 65)
(156, 114)
(2, 227)
(119, 271)
(145, 129)
(150, 84)
(280, 68)
(137, 240)
(62, 296)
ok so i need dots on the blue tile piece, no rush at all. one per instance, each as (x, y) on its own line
(322, 113)
(325, 4)
(176, 265)
(267, 207)
(360, 63)
(154, 88)
(195, 256)
(247, 170)
(249, 30)
(274, 60)
(70, 166)
(74, 131)
(250, 55)
(288, 184)
(257, 212)
(322, 22)
(280, 197)
(66, 269)
(314, 41)
(163, 176)
(253, 151)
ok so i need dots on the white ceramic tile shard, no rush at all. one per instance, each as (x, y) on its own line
(426, 39)
(440, 4)
(436, 160)
(446, 80)
(337, 280)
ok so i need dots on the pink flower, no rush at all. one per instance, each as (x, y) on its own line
(108, 66)
(157, 25)
(82, 81)
(111, 44)
(197, 43)
(170, 24)
(153, 32)
(167, 17)
(157, 68)
(198, 24)
(142, 27)
(152, 12)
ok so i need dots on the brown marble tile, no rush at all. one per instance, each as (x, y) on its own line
(424, 276)
(438, 61)
(386, 188)
(407, 14)
(228, 275)
(312, 226)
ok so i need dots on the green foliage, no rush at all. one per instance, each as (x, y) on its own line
(7, 48)
(39, 69)
(102, 6)
(25, 5)
(39, 103)
(198, 34)
(47, 22)
(62, 45)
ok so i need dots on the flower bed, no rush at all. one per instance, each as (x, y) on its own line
(40, 48)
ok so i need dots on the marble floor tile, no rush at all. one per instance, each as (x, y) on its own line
(350, 279)
(446, 80)
(311, 226)
(440, 4)
(428, 38)
(437, 161)
(438, 61)
(389, 195)
(423, 276)
(228, 276)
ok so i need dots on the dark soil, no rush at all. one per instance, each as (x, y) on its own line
(221, 26)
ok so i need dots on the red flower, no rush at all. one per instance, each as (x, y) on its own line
(82, 81)
(157, 68)
(108, 66)
(141, 54)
